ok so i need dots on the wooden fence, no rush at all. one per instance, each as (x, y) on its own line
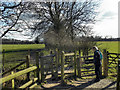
(58, 61)
(25, 71)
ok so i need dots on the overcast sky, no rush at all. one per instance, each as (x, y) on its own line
(108, 24)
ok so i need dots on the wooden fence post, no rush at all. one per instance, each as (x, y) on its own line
(42, 66)
(56, 59)
(3, 60)
(37, 64)
(118, 76)
(105, 63)
(79, 64)
(75, 67)
(52, 69)
(29, 52)
(13, 82)
(62, 67)
(27, 66)
(59, 53)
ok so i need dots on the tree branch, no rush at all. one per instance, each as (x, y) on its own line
(12, 25)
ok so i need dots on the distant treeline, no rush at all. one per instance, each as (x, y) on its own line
(14, 41)
(108, 39)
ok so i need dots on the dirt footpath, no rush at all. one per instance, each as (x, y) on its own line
(82, 84)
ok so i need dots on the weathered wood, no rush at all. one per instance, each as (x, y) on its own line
(3, 60)
(13, 68)
(118, 76)
(59, 57)
(57, 61)
(89, 61)
(86, 56)
(34, 85)
(13, 82)
(42, 67)
(27, 66)
(75, 66)
(29, 83)
(62, 67)
(52, 69)
(79, 64)
(105, 63)
(47, 56)
(37, 64)
(69, 54)
(9, 77)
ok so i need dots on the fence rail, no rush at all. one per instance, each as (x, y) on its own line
(13, 68)
(25, 71)
(9, 77)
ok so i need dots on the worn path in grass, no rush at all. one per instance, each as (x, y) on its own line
(81, 84)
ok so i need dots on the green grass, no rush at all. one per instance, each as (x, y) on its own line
(14, 47)
(111, 46)
(12, 57)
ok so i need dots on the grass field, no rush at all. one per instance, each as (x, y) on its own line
(14, 47)
(111, 46)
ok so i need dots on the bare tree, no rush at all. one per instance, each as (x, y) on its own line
(65, 19)
(12, 17)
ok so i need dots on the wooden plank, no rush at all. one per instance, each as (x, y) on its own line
(7, 78)
(89, 61)
(28, 83)
(86, 56)
(34, 85)
(13, 68)
(47, 56)
(69, 54)
(13, 82)
(113, 53)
